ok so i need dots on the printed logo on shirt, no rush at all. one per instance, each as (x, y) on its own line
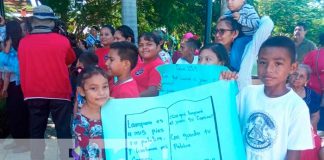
(106, 57)
(260, 131)
(139, 72)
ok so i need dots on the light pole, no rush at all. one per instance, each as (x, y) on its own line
(208, 22)
(2, 11)
(129, 15)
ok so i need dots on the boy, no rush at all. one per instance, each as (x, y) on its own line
(188, 52)
(245, 15)
(122, 58)
(274, 119)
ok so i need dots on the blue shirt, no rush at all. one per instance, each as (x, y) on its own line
(312, 100)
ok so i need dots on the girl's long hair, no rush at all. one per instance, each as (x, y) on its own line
(14, 31)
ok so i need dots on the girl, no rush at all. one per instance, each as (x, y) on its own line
(87, 126)
(145, 74)
(216, 54)
(85, 60)
(124, 33)
(16, 108)
(106, 38)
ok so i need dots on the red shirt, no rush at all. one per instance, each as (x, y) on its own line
(146, 75)
(43, 60)
(310, 59)
(127, 89)
(102, 54)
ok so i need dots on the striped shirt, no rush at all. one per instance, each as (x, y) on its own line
(249, 19)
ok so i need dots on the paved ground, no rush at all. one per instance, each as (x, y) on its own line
(50, 152)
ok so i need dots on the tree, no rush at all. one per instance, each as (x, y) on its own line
(286, 13)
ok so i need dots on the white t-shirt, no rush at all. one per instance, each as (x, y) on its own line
(183, 61)
(271, 126)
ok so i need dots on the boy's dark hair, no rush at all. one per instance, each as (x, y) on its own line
(321, 39)
(220, 51)
(126, 51)
(88, 58)
(126, 32)
(149, 36)
(88, 72)
(13, 31)
(193, 43)
(283, 42)
(110, 27)
(302, 24)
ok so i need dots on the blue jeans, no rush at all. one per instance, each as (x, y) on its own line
(237, 51)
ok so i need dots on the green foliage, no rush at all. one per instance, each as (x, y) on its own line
(287, 13)
(180, 16)
(61, 7)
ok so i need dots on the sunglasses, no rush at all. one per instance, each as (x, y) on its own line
(221, 31)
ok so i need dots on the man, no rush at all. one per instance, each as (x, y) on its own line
(44, 57)
(303, 45)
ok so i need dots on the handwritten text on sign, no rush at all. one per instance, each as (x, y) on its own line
(163, 129)
(178, 77)
(199, 123)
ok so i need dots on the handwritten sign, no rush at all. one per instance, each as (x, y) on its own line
(177, 77)
(193, 124)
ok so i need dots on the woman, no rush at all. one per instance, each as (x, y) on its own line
(106, 38)
(298, 81)
(226, 31)
(16, 107)
(315, 60)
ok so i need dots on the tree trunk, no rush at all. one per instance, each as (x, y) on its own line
(129, 15)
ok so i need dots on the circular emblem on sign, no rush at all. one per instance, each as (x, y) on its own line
(139, 72)
(260, 131)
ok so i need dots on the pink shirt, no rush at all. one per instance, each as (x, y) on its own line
(146, 75)
(127, 89)
(102, 54)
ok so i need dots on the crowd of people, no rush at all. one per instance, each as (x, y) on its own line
(47, 73)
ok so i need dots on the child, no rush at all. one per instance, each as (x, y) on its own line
(164, 55)
(245, 15)
(274, 119)
(106, 38)
(177, 54)
(87, 127)
(122, 58)
(188, 51)
(85, 60)
(145, 74)
(124, 33)
(214, 53)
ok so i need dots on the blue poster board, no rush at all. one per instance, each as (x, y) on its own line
(177, 77)
(192, 124)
